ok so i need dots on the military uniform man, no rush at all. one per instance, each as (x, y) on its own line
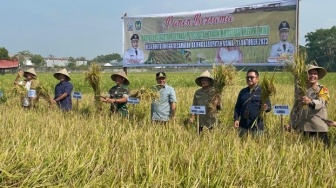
(118, 94)
(283, 48)
(134, 55)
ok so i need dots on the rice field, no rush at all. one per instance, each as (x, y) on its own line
(44, 147)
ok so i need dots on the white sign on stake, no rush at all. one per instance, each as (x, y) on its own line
(32, 93)
(133, 100)
(77, 95)
(197, 109)
(1, 94)
(281, 109)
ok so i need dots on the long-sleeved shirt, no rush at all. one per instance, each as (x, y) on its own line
(247, 108)
(60, 89)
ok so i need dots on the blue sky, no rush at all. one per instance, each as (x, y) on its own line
(88, 28)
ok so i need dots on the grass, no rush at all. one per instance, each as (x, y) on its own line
(46, 148)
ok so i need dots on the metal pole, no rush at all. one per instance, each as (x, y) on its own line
(133, 111)
(282, 124)
(198, 125)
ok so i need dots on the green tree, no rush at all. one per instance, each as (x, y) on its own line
(80, 59)
(23, 55)
(4, 53)
(38, 60)
(107, 58)
(72, 63)
(321, 47)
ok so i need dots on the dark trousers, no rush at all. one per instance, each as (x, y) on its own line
(321, 135)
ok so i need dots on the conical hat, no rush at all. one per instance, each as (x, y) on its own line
(205, 74)
(31, 71)
(320, 70)
(64, 72)
(122, 74)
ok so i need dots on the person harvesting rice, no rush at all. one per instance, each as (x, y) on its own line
(27, 87)
(310, 115)
(63, 90)
(247, 116)
(118, 94)
(204, 97)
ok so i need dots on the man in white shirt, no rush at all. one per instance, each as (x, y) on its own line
(134, 55)
(283, 48)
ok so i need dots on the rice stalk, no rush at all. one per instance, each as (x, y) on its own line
(224, 75)
(267, 90)
(298, 70)
(44, 92)
(148, 94)
(93, 77)
(19, 90)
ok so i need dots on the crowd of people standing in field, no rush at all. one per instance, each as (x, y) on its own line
(309, 114)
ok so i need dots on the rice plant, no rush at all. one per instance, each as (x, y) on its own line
(93, 77)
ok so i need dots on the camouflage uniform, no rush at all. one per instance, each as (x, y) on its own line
(118, 92)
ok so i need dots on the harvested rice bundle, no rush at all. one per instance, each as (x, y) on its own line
(19, 90)
(93, 76)
(44, 92)
(224, 75)
(267, 90)
(143, 93)
(298, 69)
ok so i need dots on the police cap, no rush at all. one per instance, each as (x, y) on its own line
(284, 26)
(135, 37)
(161, 75)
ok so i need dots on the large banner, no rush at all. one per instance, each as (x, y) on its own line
(254, 34)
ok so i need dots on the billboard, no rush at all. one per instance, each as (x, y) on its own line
(256, 34)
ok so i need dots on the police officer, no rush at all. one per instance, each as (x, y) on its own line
(134, 55)
(309, 114)
(283, 47)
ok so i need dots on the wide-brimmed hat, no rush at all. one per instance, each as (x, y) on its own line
(31, 71)
(205, 74)
(122, 74)
(320, 70)
(64, 72)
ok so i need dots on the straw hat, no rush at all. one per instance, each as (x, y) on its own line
(64, 72)
(205, 74)
(122, 74)
(31, 71)
(320, 71)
